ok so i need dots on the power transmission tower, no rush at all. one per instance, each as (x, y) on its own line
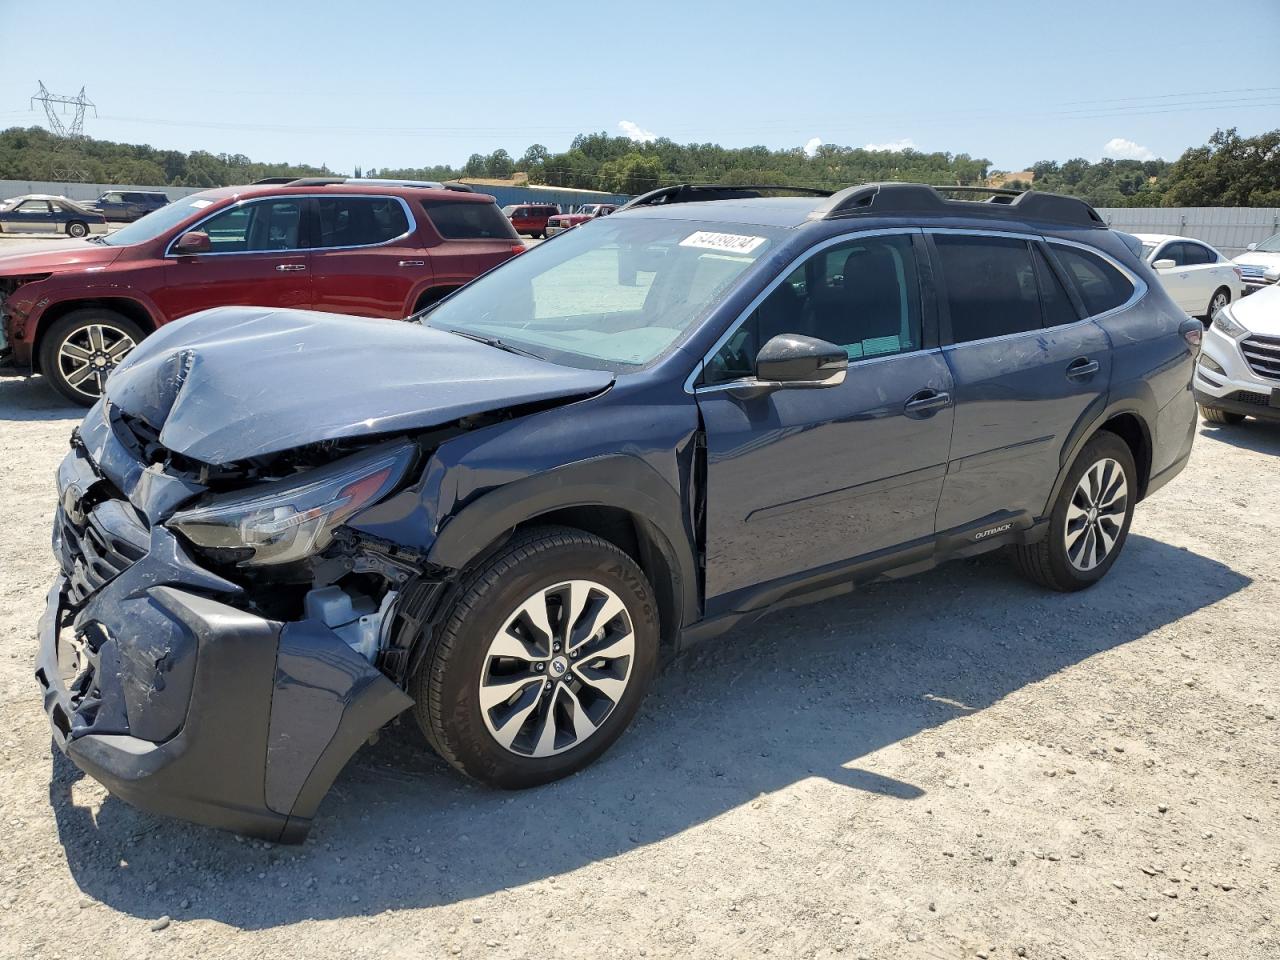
(66, 133)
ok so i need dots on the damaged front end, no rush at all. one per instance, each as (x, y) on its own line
(221, 662)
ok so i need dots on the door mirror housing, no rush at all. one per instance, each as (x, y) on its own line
(792, 360)
(192, 242)
(1252, 246)
(1165, 264)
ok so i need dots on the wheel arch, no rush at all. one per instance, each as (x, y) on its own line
(619, 498)
(129, 307)
(1130, 423)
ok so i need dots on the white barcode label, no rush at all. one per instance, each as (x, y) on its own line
(728, 242)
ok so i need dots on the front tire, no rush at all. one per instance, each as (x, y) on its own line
(1214, 415)
(77, 229)
(1090, 519)
(542, 661)
(81, 349)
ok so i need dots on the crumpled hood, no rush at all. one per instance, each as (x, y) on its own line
(46, 256)
(237, 382)
(1260, 312)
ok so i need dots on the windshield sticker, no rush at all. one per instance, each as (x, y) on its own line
(728, 242)
(200, 204)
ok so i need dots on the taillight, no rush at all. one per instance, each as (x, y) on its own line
(1193, 332)
(517, 248)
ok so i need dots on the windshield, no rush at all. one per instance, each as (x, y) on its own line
(1148, 246)
(614, 294)
(158, 221)
(1270, 245)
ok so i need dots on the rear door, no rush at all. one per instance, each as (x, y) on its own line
(259, 258)
(366, 259)
(803, 479)
(1026, 367)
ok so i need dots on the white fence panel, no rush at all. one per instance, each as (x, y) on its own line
(1230, 229)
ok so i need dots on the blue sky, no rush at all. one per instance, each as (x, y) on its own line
(401, 84)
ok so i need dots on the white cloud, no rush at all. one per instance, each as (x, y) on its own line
(636, 132)
(1118, 148)
(812, 145)
(893, 146)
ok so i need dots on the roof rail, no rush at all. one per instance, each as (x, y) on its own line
(693, 192)
(878, 199)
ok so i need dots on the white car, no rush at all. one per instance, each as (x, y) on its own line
(1261, 265)
(1238, 373)
(1200, 279)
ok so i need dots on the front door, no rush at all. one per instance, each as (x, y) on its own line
(802, 479)
(1026, 367)
(32, 216)
(258, 258)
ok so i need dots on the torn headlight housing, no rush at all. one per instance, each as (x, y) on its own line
(289, 520)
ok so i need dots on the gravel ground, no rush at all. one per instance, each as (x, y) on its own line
(954, 765)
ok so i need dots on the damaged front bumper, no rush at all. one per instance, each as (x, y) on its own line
(160, 686)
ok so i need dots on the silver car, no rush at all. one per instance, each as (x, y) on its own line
(42, 213)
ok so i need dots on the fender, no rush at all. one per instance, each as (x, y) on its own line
(618, 480)
(1139, 402)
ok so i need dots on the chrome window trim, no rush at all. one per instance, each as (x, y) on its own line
(776, 282)
(413, 225)
(1139, 285)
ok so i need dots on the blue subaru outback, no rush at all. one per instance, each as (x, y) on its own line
(278, 529)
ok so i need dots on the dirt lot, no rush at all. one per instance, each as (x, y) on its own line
(954, 765)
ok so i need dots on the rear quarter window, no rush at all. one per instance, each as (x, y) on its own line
(459, 220)
(1101, 286)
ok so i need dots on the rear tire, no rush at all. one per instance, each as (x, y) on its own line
(81, 349)
(1214, 415)
(77, 228)
(574, 687)
(1221, 297)
(1090, 519)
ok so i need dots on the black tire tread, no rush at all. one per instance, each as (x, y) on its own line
(428, 683)
(49, 342)
(1214, 415)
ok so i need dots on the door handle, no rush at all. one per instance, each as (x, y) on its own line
(1082, 368)
(925, 404)
(413, 263)
(290, 267)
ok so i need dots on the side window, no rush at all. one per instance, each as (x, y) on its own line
(1101, 286)
(1175, 252)
(462, 220)
(1197, 254)
(1058, 308)
(114, 198)
(256, 227)
(40, 207)
(347, 221)
(863, 295)
(990, 286)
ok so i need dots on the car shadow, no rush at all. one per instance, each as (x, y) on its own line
(807, 692)
(1260, 436)
(31, 398)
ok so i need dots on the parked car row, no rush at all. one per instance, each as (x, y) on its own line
(588, 211)
(279, 528)
(366, 248)
(42, 213)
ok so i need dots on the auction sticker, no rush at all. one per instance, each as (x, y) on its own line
(727, 242)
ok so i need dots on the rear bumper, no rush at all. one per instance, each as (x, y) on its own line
(158, 684)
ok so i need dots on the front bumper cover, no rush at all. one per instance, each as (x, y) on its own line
(160, 687)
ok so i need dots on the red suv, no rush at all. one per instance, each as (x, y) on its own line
(370, 248)
(530, 218)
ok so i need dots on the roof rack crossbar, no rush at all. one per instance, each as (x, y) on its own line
(876, 199)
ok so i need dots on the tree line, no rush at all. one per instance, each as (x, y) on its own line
(1228, 170)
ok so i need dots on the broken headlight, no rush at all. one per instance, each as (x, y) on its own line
(292, 519)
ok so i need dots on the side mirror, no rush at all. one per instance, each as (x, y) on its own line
(1252, 246)
(792, 360)
(1165, 264)
(196, 241)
